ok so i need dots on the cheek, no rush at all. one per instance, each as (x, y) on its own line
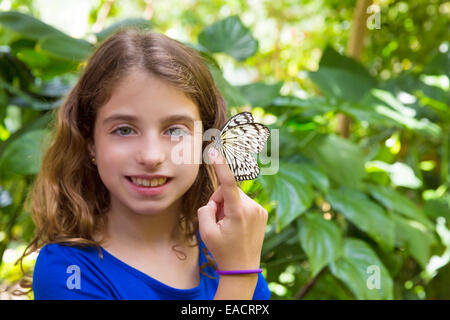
(187, 151)
(187, 172)
(110, 161)
(113, 154)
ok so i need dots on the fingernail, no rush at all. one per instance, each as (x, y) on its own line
(212, 153)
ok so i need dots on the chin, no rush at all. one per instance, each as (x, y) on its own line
(149, 209)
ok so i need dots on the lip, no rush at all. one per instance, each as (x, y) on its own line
(149, 177)
(148, 191)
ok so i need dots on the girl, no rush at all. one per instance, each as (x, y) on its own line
(115, 216)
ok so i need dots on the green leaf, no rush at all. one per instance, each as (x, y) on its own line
(50, 38)
(333, 59)
(308, 173)
(229, 36)
(415, 238)
(385, 104)
(232, 96)
(273, 240)
(23, 155)
(320, 239)
(260, 94)
(400, 173)
(290, 190)
(438, 207)
(340, 83)
(67, 47)
(364, 214)
(318, 105)
(12, 69)
(394, 200)
(363, 272)
(342, 160)
(342, 77)
(439, 63)
(27, 25)
(364, 112)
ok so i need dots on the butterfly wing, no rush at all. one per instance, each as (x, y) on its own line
(245, 169)
(238, 143)
(238, 119)
(248, 137)
(238, 140)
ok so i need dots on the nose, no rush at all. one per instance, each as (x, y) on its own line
(151, 151)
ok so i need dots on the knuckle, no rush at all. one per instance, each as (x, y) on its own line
(263, 212)
(201, 209)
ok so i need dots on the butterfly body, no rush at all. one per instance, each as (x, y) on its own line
(238, 140)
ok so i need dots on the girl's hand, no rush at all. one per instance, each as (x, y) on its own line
(232, 225)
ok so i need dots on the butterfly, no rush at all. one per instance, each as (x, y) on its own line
(239, 138)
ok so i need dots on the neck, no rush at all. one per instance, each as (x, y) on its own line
(125, 228)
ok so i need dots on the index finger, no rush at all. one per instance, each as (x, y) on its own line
(225, 176)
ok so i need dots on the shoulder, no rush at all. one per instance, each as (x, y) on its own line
(67, 272)
(56, 257)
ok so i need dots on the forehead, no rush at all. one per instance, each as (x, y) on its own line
(149, 98)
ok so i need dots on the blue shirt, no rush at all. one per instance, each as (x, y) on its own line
(65, 272)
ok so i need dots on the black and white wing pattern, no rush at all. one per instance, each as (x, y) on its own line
(239, 139)
(238, 119)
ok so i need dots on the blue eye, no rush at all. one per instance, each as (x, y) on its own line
(123, 130)
(126, 131)
(178, 132)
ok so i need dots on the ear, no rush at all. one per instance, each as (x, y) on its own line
(91, 147)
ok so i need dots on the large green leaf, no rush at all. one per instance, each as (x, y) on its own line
(23, 155)
(386, 105)
(292, 197)
(364, 112)
(394, 200)
(13, 69)
(342, 160)
(275, 239)
(364, 214)
(308, 173)
(439, 63)
(232, 96)
(292, 190)
(400, 173)
(415, 238)
(342, 77)
(438, 207)
(67, 47)
(320, 239)
(310, 107)
(260, 94)
(333, 59)
(50, 39)
(27, 25)
(23, 99)
(229, 36)
(363, 272)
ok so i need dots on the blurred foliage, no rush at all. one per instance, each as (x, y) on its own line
(361, 218)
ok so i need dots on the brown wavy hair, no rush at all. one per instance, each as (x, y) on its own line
(68, 201)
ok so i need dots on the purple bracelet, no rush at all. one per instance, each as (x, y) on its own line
(229, 272)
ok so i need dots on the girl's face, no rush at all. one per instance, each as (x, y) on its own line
(137, 138)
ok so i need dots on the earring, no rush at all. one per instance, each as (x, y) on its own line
(93, 160)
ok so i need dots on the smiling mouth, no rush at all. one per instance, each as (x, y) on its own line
(149, 183)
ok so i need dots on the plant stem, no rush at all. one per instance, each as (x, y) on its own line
(307, 287)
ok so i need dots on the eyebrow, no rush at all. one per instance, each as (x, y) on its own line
(165, 120)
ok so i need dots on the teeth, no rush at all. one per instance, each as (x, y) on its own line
(149, 183)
